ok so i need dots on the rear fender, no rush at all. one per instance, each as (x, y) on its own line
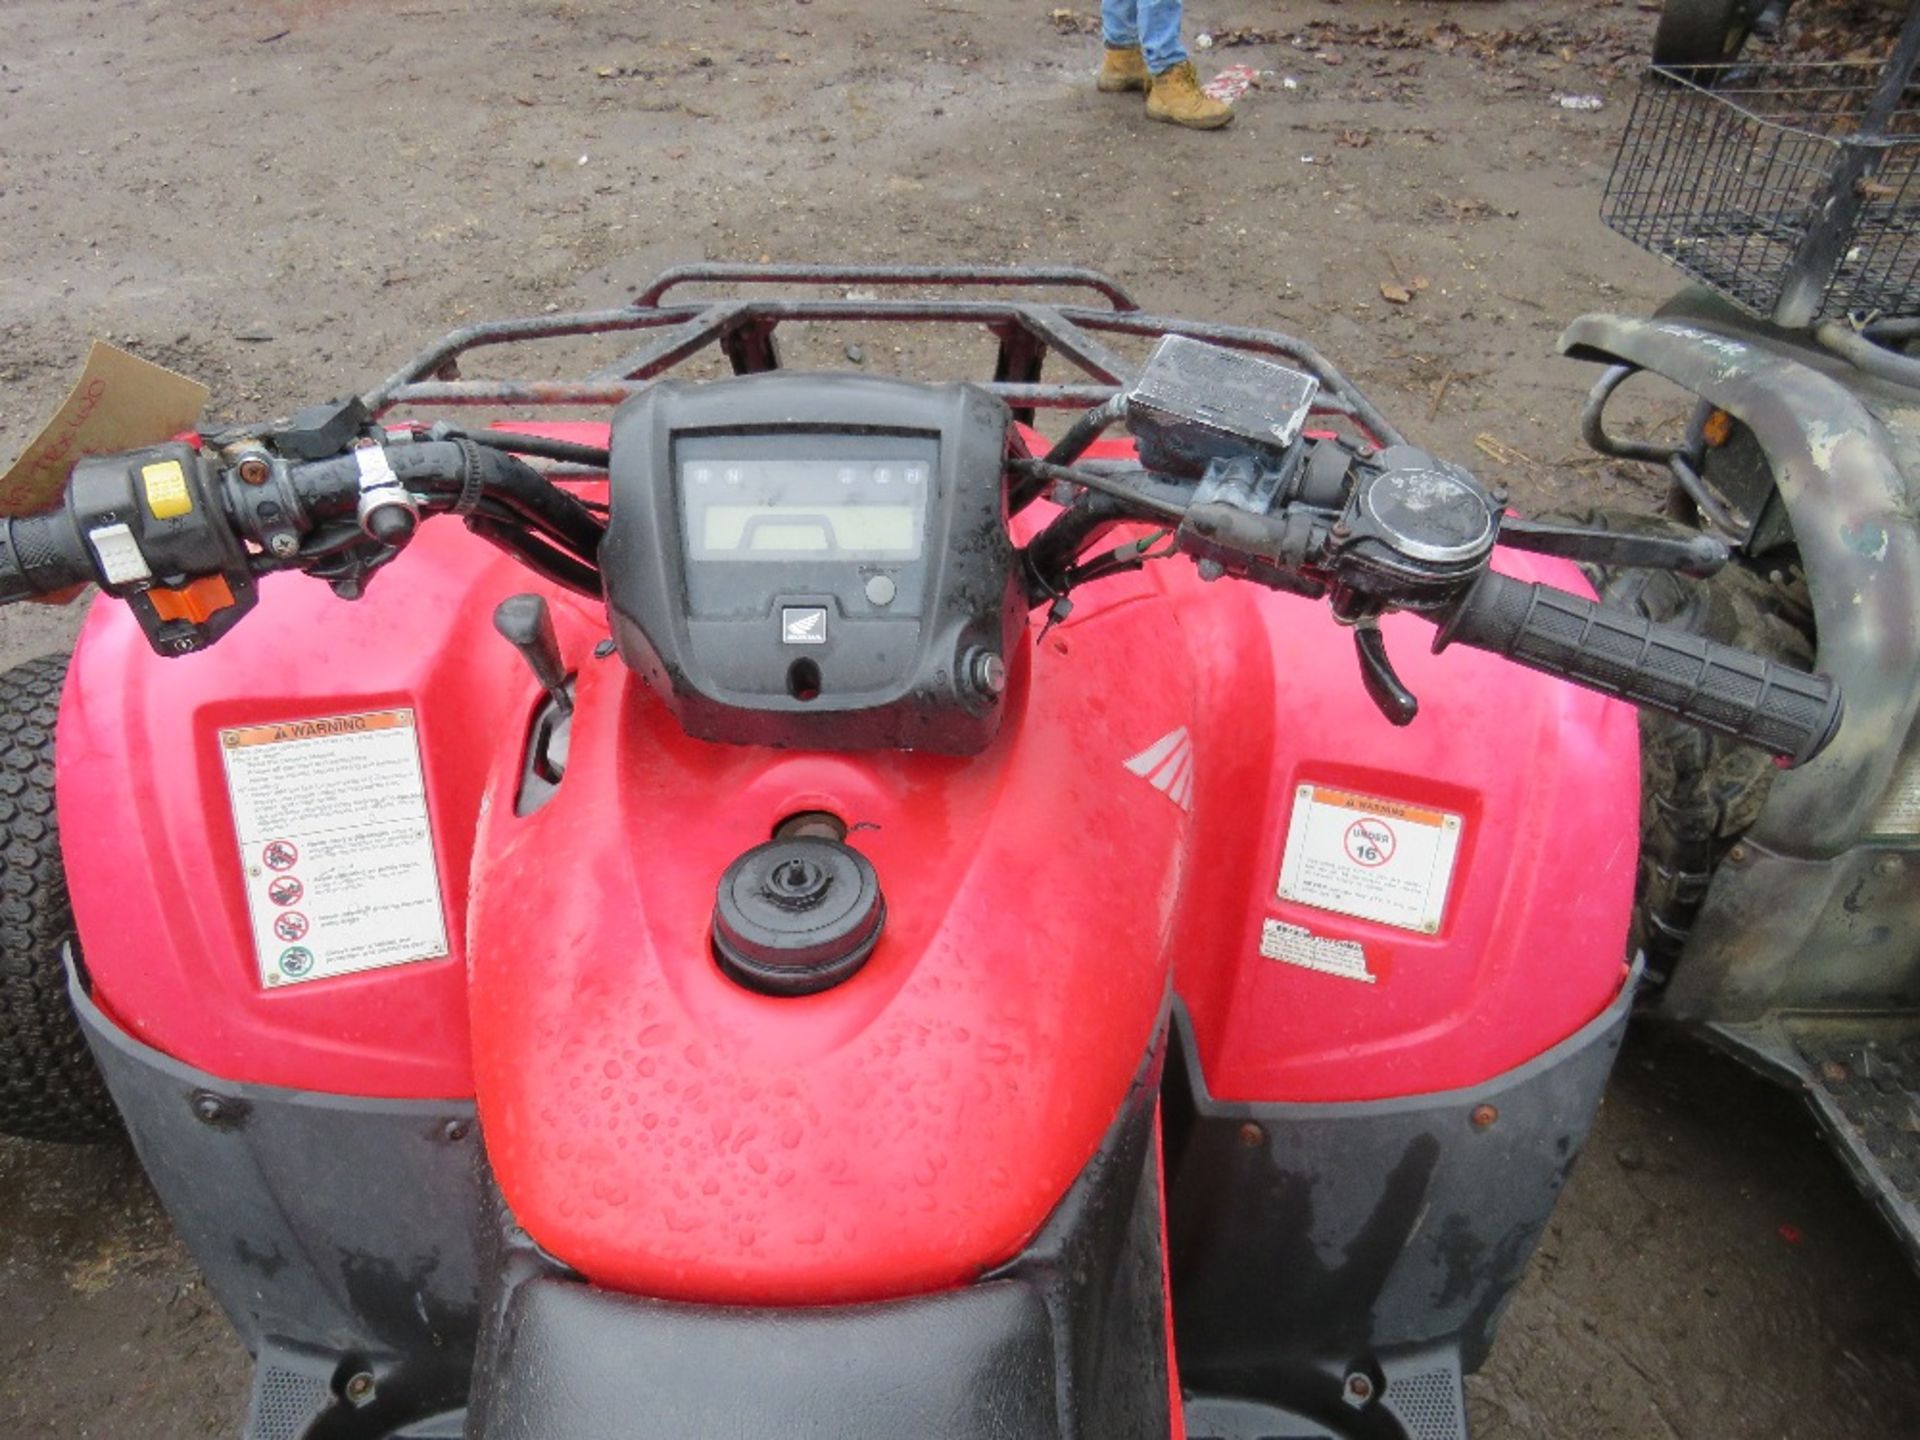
(1839, 476)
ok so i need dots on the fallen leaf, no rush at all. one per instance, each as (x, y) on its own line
(1395, 294)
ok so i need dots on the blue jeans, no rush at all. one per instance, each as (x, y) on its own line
(1153, 25)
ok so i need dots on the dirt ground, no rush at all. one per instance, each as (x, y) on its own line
(285, 199)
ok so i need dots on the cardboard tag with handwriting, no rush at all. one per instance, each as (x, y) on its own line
(120, 402)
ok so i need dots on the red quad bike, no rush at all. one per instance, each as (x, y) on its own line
(887, 949)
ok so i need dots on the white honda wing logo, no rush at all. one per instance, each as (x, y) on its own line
(1167, 765)
(803, 625)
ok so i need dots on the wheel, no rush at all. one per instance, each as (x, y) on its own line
(50, 1088)
(1700, 792)
(1700, 32)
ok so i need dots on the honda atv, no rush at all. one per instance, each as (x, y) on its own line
(817, 911)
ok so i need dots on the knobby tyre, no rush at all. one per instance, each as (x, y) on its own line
(50, 1088)
(1699, 792)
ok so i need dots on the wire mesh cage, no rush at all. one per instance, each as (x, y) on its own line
(1791, 188)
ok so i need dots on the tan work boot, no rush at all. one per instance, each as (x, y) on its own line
(1177, 98)
(1125, 68)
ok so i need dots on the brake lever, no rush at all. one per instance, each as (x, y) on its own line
(1384, 687)
(1697, 554)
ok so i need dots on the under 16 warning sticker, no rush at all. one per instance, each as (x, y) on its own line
(1373, 858)
(335, 845)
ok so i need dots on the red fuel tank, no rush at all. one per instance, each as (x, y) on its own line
(1191, 792)
(668, 1132)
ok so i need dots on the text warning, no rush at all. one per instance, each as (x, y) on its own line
(1370, 857)
(335, 845)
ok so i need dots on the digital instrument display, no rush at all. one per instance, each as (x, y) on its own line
(817, 562)
(851, 497)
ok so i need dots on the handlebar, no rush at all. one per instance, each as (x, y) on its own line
(1658, 667)
(1373, 531)
(40, 555)
(180, 532)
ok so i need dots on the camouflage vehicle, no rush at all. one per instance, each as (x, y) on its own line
(1779, 911)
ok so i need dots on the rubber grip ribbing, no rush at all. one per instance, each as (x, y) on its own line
(41, 554)
(1659, 667)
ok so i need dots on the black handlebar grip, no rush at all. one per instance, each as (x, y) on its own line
(1660, 667)
(40, 555)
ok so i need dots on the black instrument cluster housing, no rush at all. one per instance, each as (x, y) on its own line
(908, 674)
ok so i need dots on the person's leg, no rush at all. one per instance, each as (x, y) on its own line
(1120, 23)
(1159, 30)
(1122, 67)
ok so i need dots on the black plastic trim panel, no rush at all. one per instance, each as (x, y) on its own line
(1313, 1244)
(340, 1234)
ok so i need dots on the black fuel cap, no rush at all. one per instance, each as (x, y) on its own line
(795, 917)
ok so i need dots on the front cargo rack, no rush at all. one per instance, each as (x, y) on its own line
(742, 328)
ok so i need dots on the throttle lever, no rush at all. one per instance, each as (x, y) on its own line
(1693, 553)
(1384, 687)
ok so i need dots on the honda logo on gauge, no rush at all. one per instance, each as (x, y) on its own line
(803, 625)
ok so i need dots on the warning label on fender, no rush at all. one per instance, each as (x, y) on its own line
(1373, 858)
(335, 845)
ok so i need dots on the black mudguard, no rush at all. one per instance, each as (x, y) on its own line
(1337, 1267)
(338, 1233)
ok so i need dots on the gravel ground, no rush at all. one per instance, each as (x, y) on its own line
(284, 199)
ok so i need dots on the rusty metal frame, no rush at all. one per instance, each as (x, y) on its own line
(1028, 331)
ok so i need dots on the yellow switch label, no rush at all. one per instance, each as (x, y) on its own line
(166, 484)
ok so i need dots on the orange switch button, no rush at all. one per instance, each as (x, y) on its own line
(194, 601)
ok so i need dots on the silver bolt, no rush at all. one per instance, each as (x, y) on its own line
(359, 1388)
(989, 673)
(284, 543)
(1358, 1390)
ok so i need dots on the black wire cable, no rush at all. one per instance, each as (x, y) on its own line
(568, 451)
(552, 509)
(538, 556)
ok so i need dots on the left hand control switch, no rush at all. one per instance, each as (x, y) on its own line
(156, 535)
